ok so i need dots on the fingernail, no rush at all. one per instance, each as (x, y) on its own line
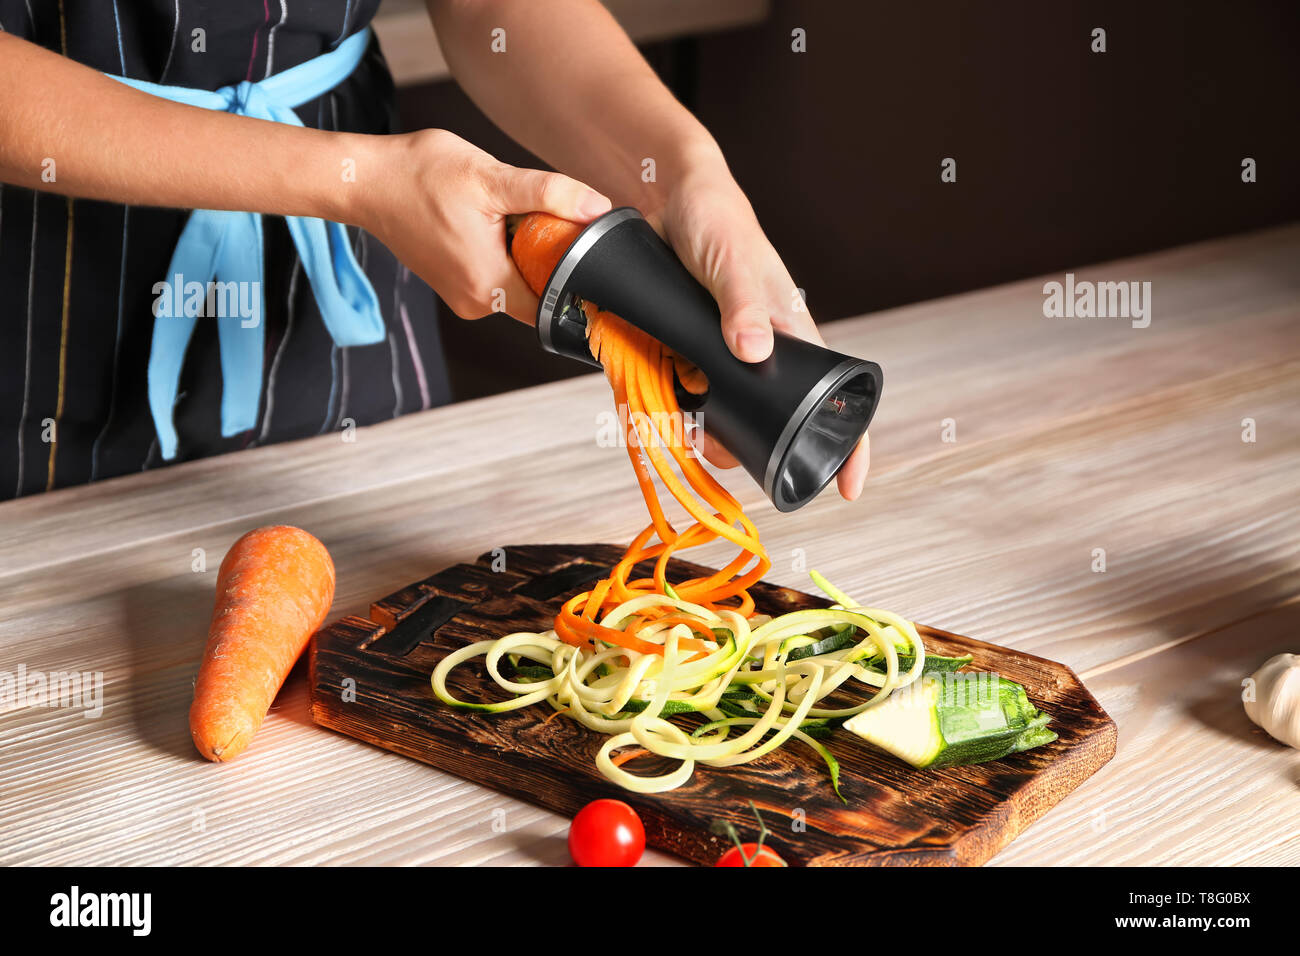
(753, 345)
(593, 205)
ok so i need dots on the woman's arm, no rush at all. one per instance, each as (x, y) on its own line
(101, 139)
(436, 201)
(571, 87)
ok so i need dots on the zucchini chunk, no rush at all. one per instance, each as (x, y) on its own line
(947, 719)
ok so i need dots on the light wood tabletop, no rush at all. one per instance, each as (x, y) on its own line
(1069, 435)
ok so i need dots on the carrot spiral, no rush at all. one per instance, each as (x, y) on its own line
(640, 371)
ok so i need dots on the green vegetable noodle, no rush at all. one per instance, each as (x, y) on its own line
(758, 684)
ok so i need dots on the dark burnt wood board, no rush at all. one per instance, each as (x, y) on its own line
(895, 815)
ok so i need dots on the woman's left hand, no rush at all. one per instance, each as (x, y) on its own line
(712, 227)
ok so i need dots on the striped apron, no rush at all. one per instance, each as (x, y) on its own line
(79, 278)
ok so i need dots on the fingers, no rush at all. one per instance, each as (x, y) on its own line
(520, 303)
(713, 452)
(785, 301)
(746, 324)
(790, 312)
(495, 289)
(853, 474)
(850, 481)
(751, 308)
(797, 320)
(515, 190)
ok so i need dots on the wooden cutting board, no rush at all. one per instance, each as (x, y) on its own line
(370, 679)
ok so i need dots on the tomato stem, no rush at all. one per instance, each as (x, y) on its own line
(725, 828)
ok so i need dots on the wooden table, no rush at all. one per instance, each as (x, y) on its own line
(1071, 435)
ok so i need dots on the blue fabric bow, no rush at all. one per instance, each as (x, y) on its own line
(227, 247)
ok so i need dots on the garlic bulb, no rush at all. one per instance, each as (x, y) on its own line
(1275, 701)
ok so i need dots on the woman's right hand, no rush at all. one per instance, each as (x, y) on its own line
(440, 205)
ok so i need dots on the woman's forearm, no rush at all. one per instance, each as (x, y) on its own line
(436, 201)
(69, 129)
(572, 88)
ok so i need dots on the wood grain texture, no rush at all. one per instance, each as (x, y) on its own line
(1071, 435)
(1193, 781)
(370, 680)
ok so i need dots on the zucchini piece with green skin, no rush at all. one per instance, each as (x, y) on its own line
(1035, 737)
(934, 664)
(671, 707)
(820, 728)
(846, 639)
(827, 645)
(943, 721)
(532, 672)
(795, 642)
(734, 708)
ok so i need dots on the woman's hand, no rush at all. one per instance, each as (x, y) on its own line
(711, 226)
(440, 204)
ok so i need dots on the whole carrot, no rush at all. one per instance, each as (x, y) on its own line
(274, 589)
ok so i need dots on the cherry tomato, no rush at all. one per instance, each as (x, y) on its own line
(765, 857)
(606, 833)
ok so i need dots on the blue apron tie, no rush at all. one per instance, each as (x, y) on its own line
(227, 246)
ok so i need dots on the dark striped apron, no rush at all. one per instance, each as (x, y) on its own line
(77, 277)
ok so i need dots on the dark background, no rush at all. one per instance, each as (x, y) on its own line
(1064, 157)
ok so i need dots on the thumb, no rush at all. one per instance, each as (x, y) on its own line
(518, 190)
